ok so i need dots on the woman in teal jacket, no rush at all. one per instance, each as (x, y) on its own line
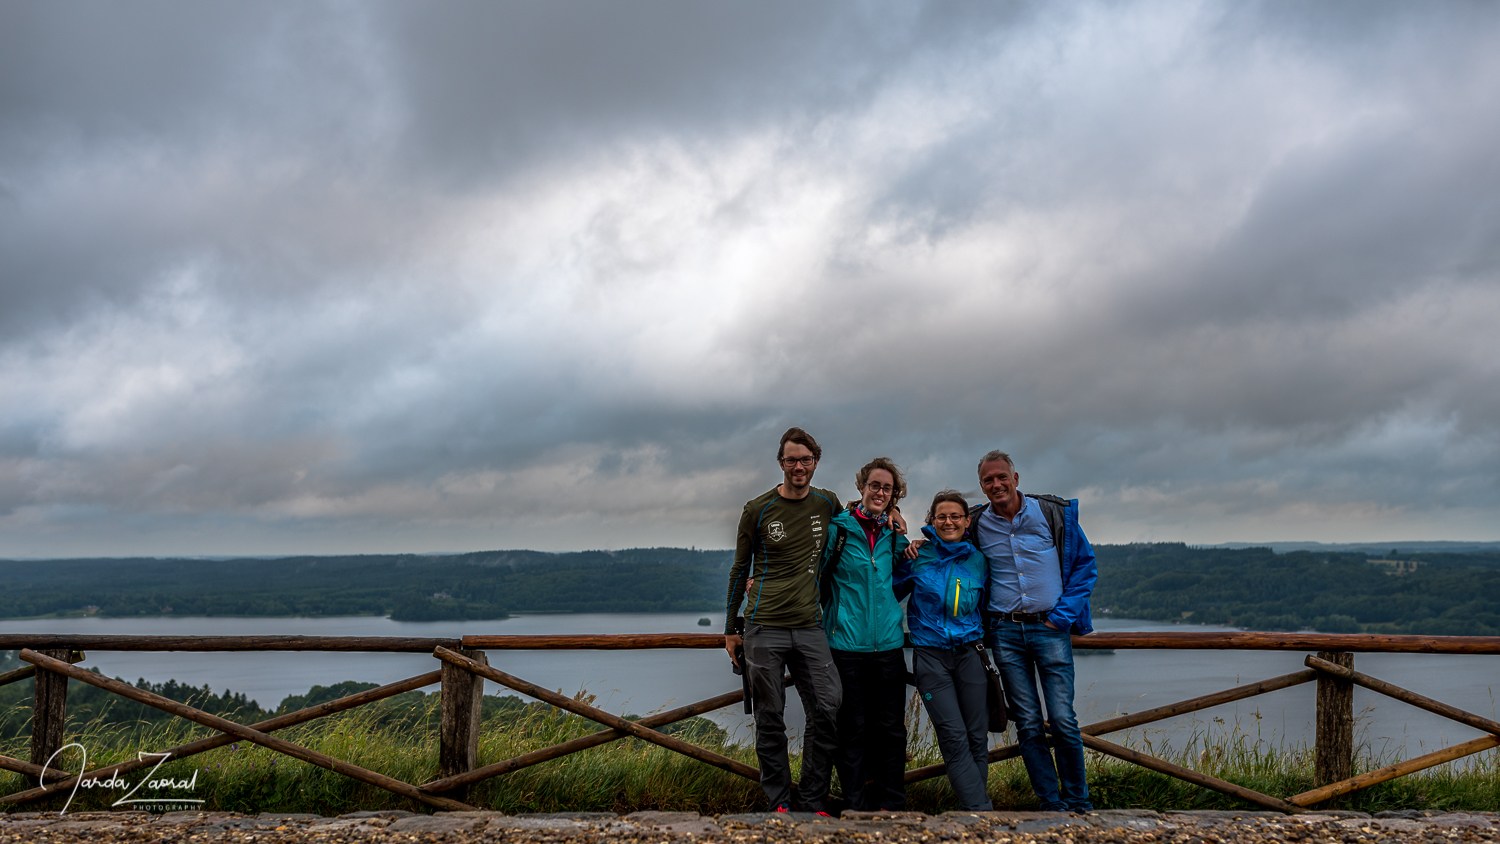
(946, 582)
(863, 622)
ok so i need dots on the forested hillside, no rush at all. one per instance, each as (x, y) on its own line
(408, 587)
(1249, 587)
(1335, 593)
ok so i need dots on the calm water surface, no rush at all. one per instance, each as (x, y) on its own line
(644, 681)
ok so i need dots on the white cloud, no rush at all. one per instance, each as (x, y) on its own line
(1220, 270)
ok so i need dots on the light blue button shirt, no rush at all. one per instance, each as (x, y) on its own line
(1024, 574)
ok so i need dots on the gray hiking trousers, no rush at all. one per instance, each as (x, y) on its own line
(953, 689)
(769, 652)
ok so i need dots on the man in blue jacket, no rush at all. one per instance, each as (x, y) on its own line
(1042, 572)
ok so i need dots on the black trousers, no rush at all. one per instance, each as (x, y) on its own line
(871, 754)
(804, 652)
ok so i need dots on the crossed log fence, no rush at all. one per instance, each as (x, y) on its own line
(463, 665)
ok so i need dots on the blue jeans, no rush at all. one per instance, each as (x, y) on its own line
(1026, 653)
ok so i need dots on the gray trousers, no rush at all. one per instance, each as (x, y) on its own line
(770, 651)
(952, 686)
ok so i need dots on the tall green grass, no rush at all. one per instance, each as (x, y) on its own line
(630, 774)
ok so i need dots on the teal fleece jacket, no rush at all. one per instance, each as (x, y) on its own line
(861, 612)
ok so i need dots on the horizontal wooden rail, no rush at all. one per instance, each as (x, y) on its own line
(600, 642)
(1240, 641)
(372, 644)
(1229, 640)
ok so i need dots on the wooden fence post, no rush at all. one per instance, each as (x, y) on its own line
(1333, 759)
(49, 712)
(458, 731)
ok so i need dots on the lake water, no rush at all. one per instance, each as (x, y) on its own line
(645, 681)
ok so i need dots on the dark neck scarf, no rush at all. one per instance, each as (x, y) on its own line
(871, 524)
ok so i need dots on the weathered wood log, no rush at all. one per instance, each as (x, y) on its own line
(1353, 642)
(1333, 734)
(28, 671)
(49, 711)
(1436, 707)
(212, 644)
(601, 642)
(193, 748)
(295, 751)
(1357, 643)
(36, 772)
(927, 772)
(545, 754)
(595, 714)
(1147, 716)
(1194, 777)
(1400, 769)
(458, 725)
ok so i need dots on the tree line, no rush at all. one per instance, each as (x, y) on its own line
(1250, 587)
(1446, 594)
(407, 587)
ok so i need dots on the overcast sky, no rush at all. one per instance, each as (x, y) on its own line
(367, 277)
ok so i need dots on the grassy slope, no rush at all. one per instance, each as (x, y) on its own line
(630, 775)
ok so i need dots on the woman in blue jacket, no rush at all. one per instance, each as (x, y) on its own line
(863, 622)
(946, 582)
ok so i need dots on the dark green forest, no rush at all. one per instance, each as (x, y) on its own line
(1435, 593)
(407, 587)
(1255, 588)
(1440, 594)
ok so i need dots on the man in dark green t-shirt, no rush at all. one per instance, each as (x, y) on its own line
(779, 550)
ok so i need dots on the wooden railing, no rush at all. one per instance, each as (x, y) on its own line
(463, 665)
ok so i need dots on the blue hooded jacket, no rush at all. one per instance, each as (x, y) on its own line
(947, 583)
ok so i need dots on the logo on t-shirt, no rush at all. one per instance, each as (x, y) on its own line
(775, 532)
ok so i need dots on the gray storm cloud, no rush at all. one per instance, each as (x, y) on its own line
(330, 278)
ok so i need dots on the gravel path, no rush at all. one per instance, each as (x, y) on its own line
(1104, 827)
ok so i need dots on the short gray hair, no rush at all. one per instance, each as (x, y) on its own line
(992, 456)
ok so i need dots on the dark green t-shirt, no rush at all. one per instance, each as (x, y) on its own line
(780, 544)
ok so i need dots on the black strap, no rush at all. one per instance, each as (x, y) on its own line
(825, 577)
(1054, 508)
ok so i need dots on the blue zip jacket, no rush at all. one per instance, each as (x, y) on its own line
(947, 583)
(1075, 558)
(861, 613)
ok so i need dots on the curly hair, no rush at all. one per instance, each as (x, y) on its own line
(898, 481)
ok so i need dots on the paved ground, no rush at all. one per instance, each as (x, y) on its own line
(1104, 827)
